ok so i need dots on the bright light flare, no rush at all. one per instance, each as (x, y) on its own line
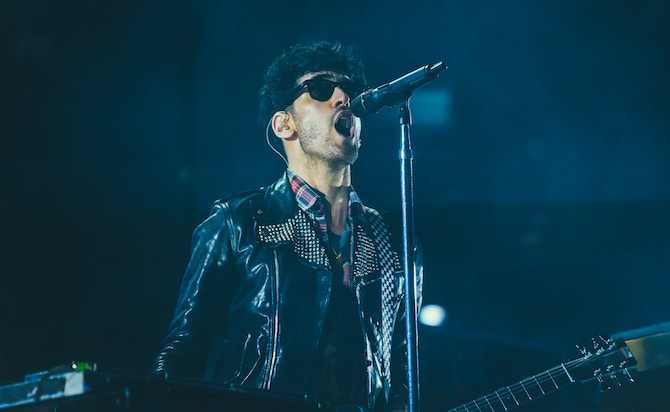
(432, 315)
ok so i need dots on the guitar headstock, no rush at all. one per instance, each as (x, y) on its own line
(606, 360)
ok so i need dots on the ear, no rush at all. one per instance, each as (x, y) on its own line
(282, 125)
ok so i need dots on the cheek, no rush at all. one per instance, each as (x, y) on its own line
(308, 116)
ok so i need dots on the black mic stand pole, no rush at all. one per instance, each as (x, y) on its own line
(407, 187)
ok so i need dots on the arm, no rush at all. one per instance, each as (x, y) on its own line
(202, 301)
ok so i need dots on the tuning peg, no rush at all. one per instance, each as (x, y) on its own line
(626, 372)
(604, 344)
(605, 383)
(595, 344)
(601, 382)
(612, 375)
(583, 350)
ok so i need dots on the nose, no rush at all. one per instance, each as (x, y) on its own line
(340, 97)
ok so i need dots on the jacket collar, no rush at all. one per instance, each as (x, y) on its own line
(278, 203)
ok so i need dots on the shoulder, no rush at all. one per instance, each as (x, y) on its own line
(225, 214)
(391, 221)
(275, 201)
(393, 224)
(237, 201)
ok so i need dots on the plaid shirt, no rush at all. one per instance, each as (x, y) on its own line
(313, 203)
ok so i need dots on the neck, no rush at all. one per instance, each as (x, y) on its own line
(335, 185)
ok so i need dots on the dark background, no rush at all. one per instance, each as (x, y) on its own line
(541, 177)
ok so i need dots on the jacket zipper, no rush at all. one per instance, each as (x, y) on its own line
(275, 329)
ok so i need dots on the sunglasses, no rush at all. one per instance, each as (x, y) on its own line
(322, 89)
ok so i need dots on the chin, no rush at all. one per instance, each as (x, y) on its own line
(350, 158)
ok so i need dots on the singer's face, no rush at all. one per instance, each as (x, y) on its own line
(326, 129)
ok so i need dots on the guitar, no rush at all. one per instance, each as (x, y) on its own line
(608, 360)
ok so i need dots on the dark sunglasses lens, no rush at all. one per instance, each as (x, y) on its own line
(321, 90)
(351, 89)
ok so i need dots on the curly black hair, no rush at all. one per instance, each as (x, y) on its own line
(282, 75)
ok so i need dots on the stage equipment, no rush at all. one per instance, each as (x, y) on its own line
(83, 388)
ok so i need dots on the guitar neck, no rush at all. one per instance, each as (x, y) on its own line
(520, 393)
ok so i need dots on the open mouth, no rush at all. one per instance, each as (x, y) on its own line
(345, 124)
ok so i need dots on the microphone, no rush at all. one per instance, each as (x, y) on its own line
(390, 94)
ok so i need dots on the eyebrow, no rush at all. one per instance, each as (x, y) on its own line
(330, 76)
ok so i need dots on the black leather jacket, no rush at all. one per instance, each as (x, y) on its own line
(255, 296)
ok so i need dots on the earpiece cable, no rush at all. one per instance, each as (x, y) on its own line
(267, 139)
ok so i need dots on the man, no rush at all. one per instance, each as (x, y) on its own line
(284, 287)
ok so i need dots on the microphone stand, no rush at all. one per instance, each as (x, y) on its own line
(400, 90)
(407, 188)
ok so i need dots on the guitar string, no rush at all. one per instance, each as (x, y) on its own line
(545, 377)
